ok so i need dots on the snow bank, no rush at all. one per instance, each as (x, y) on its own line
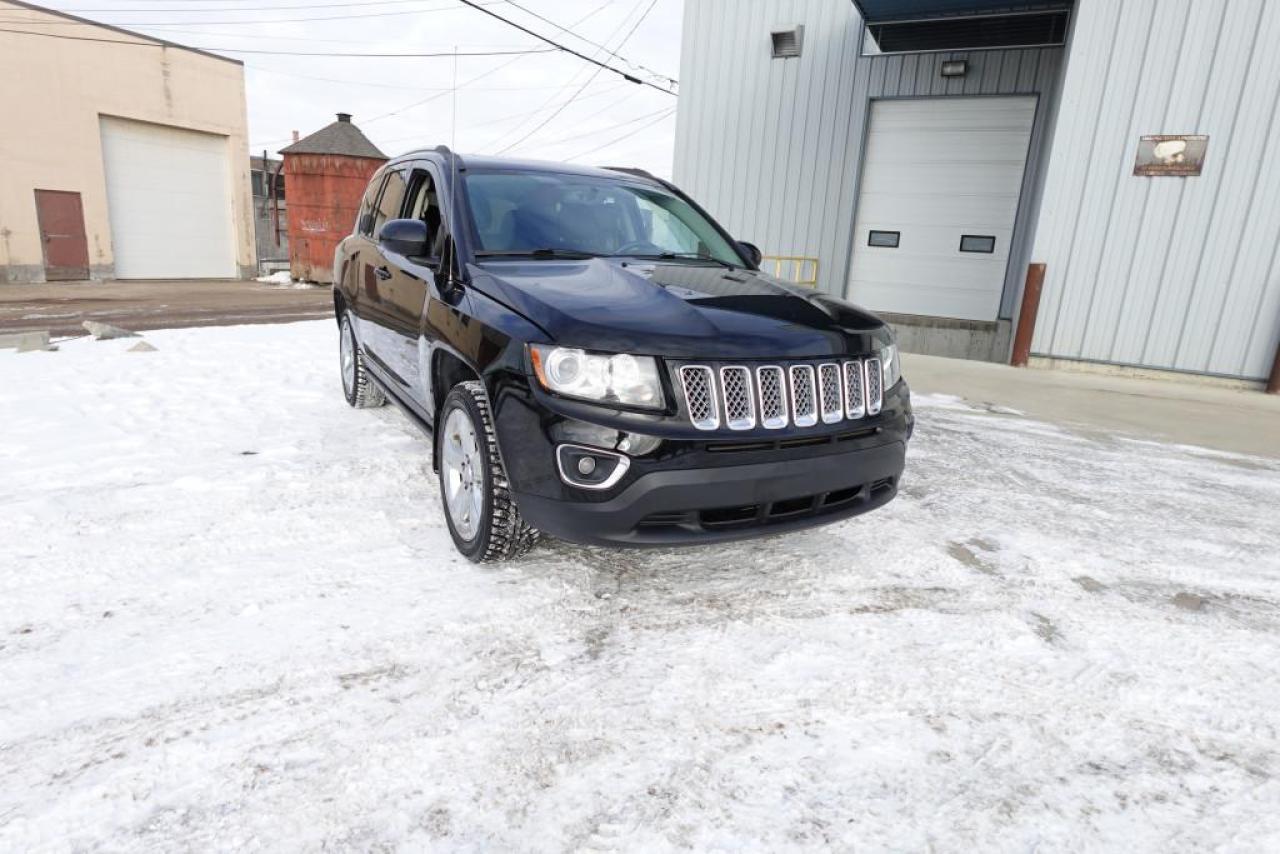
(233, 619)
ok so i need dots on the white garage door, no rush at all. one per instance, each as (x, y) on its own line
(169, 196)
(940, 185)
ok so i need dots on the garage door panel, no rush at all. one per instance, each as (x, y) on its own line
(981, 212)
(938, 241)
(936, 169)
(945, 148)
(169, 199)
(958, 303)
(940, 272)
(946, 179)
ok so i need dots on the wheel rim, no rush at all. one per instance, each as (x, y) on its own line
(348, 358)
(461, 465)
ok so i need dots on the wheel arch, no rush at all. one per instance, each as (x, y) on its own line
(447, 369)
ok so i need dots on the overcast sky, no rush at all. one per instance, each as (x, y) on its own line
(404, 103)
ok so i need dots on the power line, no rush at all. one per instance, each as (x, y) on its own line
(604, 66)
(256, 8)
(419, 89)
(571, 82)
(671, 112)
(238, 21)
(583, 87)
(607, 128)
(160, 43)
(612, 53)
(478, 77)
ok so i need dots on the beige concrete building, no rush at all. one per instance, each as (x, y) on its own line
(121, 155)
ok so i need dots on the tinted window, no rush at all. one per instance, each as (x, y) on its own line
(526, 211)
(424, 204)
(364, 222)
(391, 201)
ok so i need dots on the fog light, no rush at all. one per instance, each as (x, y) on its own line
(590, 468)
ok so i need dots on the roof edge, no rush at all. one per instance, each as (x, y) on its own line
(92, 23)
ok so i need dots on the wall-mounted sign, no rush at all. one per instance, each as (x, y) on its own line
(1170, 155)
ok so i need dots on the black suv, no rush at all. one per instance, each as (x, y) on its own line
(597, 359)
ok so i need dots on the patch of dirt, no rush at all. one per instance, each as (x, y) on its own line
(972, 554)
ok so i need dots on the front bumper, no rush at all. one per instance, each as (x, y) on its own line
(705, 505)
(700, 487)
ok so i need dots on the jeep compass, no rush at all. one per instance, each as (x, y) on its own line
(594, 357)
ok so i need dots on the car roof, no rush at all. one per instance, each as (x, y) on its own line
(486, 162)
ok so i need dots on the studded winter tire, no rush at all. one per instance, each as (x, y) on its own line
(359, 389)
(478, 507)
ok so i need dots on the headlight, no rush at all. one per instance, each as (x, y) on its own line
(624, 379)
(891, 366)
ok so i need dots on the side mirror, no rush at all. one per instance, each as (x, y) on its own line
(753, 253)
(404, 237)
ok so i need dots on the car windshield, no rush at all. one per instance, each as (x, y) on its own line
(547, 214)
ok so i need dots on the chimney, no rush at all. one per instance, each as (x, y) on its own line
(295, 136)
(344, 117)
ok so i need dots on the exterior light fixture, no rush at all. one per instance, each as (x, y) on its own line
(955, 68)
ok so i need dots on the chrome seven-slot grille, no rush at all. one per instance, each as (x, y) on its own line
(740, 397)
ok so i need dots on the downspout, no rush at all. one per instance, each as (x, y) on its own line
(1273, 384)
(275, 199)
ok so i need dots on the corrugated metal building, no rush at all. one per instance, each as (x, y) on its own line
(917, 155)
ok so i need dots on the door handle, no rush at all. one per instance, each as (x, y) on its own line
(382, 273)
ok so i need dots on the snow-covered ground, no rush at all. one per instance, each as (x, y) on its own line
(232, 619)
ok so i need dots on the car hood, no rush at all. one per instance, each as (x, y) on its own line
(677, 310)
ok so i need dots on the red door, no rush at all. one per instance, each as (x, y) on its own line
(66, 249)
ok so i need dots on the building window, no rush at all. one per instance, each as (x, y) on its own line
(984, 243)
(884, 239)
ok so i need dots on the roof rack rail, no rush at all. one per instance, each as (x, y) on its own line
(633, 170)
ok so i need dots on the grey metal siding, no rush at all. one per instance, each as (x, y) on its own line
(773, 147)
(1177, 273)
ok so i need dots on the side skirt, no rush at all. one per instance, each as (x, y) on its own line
(403, 405)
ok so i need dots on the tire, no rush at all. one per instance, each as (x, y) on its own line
(478, 507)
(357, 386)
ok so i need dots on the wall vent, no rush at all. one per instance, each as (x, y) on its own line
(787, 43)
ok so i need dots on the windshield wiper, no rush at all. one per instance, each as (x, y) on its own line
(691, 256)
(575, 254)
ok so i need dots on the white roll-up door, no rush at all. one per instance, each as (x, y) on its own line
(941, 179)
(169, 197)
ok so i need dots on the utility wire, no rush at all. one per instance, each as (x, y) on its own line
(612, 53)
(669, 113)
(604, 66)
(478, 77)
(570, 83)
(238, 21)
(583, 87)
(161, 43)
(607, 128)
(256, 8)
(421, 89)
